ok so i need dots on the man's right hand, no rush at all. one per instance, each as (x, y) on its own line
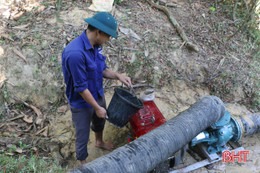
(101, 112)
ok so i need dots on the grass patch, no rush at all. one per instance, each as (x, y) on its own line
(24, 164)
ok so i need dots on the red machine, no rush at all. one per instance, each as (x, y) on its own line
(145, 120)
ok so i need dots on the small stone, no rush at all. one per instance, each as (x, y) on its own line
(1, 51)
(156, 68)
(171, 5)
(62, 109)
(162, 2)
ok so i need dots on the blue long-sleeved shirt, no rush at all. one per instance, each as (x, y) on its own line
(82, 67)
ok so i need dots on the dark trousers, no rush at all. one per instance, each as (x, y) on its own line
(81, 118)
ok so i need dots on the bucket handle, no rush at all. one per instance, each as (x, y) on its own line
(132, 90)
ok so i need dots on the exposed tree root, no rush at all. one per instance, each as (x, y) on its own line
(173, 21)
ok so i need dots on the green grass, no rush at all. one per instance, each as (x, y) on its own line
(24, 164)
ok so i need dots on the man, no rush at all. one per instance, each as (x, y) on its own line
(83, 68)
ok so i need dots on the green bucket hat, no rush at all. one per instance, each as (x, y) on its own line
(104, 22)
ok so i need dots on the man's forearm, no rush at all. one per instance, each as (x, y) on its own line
(100, 111)
(113, 75)
(87, 96)
(110, 74)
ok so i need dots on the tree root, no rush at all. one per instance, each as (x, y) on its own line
(173, 21)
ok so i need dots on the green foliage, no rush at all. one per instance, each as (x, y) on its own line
(53, 59)
(12, 35)
(224, 74)
(19, 107)
(23, 19)
(35, 71)
(21, 145)
(117, 2)
(5, 94)
(46, 3)
(12, 149)
(212, 9)
(23, 164)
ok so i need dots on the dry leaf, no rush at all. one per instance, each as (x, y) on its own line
(36, 151)
(40, 9)
(44, 118)
(133, 58)
(2, 125)
(2, 80)
(146, 53)
(7, 134)
(133, 34)
(39, 121)
(127, 31)
(124, 30)
(6, 36)
(9, 154)
(28, 119)
(40, 131)
(15, 118)
(45, 133)
(20, 54)
(62, 109)
(21, 27)
(10, 129)
(36, 154)
(28, 129)
(36, 110)
(19, 150)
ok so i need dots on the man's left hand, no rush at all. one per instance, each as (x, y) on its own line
(126, 80)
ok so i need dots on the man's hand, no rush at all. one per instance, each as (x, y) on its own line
(126, 80)
(101, 112)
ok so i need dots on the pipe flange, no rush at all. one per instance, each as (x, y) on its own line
(237, 129)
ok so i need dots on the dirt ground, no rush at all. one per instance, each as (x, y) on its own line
(34, 109)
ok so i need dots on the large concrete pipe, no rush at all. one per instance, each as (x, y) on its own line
(144, 153)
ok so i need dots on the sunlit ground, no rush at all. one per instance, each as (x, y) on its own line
(11, 9)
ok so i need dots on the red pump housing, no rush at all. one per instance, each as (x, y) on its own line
(145, 120)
